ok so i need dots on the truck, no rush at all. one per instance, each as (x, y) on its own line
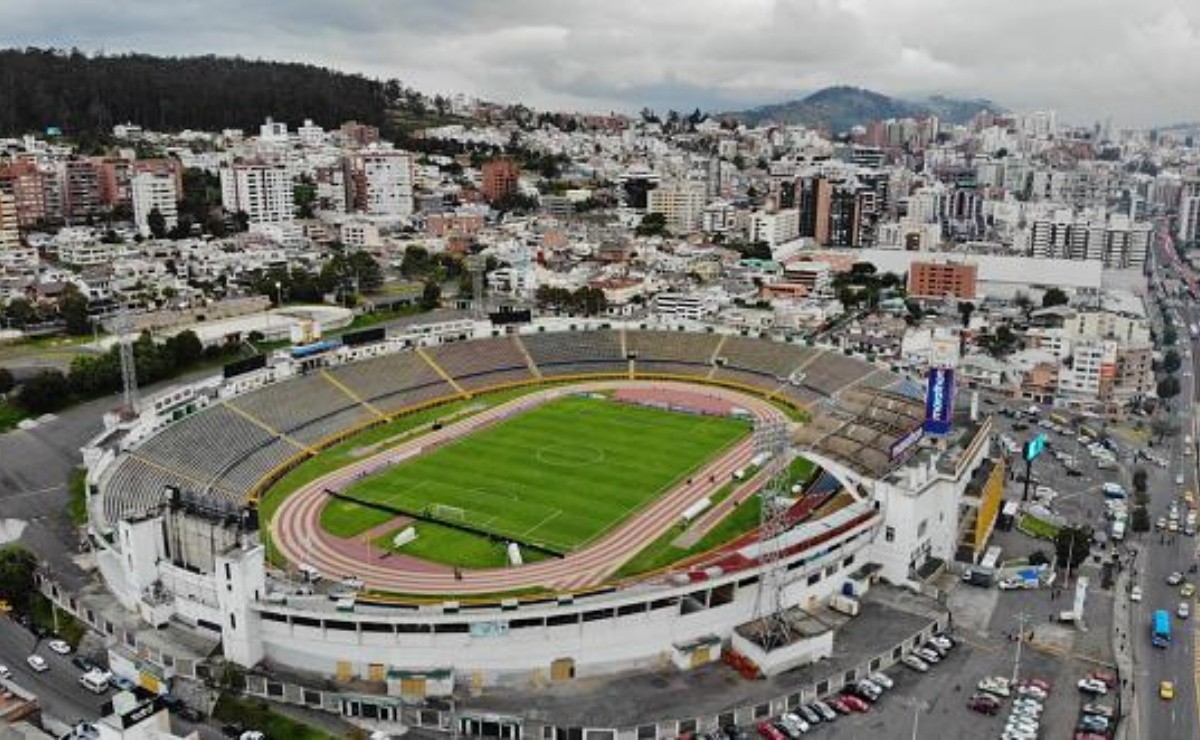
(1160, 629)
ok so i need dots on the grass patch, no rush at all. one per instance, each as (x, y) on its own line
(1035, 527)
(257, 715)
(558, 475)
(441, 544)
(77, 488)
(11, 415)
(42, 617)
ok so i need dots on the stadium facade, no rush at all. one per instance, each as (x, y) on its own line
(177, 543)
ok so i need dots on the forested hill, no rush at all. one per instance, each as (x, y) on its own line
(83, 94)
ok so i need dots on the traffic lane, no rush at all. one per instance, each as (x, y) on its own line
(58, 689)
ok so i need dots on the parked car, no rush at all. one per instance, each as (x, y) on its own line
(1175, 579)
(4, 672)
(1135, 594)
(1094, 723)
(929, 656)
(770, 731)
(882, 680)
(810, 715)
(856, 703)
(838, 705)
(827, 713)
(1184, 611)
(1092, 686)
(915, 663)
(1097, 708)
(795, 722)
(37, 663)
(1040, 683)
(1108, 678)
(997, 685)
(1166, 690)
(984, 704)
(59, 646)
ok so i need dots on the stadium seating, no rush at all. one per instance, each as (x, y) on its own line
(482, 363)
(206, 444)
(247, 472)
(294, 403)
(672, 352)
(763, 356)
(568, 353)
(833, 371)
(136, 487)
(326, 426)
(392, 382)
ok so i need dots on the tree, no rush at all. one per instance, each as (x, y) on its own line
(653, 224)
(1072, 545)
(1170, 336)
(431, 295)
(17, 567)
(157, 223)
(965, 309)
(1054, 297)
(185, 348)
(1171, 361)
(1168, 387)
(47, 391)
(7, 382)
(1162, 427)
(1022, 301)
(20, 313)
(1139, 480)
(1140, 521)
(73, 307)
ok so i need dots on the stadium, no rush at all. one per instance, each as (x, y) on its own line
(470, 503)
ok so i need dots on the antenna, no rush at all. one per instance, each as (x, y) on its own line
(771, 438)
(123, 324)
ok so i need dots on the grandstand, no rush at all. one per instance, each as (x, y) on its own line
(833, 371)
(482, 363)
(393, 382)
(774, 359)
(860, 430)
(577, 352)
(672, 352)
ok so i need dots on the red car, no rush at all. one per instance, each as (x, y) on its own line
(983, 705)
(770, 731)
(1107, 677)
(855, 703)
(839, 704)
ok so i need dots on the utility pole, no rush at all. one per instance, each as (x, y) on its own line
(917, 705)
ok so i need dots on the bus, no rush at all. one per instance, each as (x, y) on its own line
(1160, 635)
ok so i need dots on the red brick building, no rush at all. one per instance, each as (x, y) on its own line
(942, 280)
(499, 179)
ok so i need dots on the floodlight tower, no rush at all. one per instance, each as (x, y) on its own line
(477, 265)
(123, 324)
(771, 439)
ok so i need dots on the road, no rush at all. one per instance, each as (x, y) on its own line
(1156, 559)
(58, 690)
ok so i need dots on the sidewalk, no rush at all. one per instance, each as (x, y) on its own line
(1123, 653)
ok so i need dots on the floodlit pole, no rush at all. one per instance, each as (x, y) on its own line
(1021, 619)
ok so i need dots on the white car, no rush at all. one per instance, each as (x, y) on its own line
(1175, 579)
(37, 663)
(795, 722)
(995, 685)
(4, 672)
(915, 663)
(1184, 611)
(927, 655)
(882, 679)
(1135, 594)
(1027, 705)
(1092, 686)
(59, 646)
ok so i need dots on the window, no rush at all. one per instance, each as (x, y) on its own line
(922, 527)
(814, 579)
(889, 534)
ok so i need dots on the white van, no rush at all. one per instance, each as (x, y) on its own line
(94, 681)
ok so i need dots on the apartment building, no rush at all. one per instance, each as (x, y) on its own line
(776, 228)
(1117, 241)
(80, 179)
(681, 203)
(23, 181)
(151, 191)
(499, 179)
(10, 234)
(262, 191)
(943, 280)
(382, 182)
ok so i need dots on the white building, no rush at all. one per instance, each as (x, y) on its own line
(775, 228)
(689, 306)
(10, 235)
(272, 132)
(1116, 241)
(383, 182)
(1189, 218)
(1092, 370)
(310, 134)
(150, 191)
(261, 191)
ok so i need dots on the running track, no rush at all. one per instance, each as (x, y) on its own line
(297, 535)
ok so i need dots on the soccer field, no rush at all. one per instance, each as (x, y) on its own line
(559, 475)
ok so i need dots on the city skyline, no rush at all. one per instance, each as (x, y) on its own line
(1091, 61)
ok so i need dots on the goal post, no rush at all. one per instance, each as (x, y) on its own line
(447, 513)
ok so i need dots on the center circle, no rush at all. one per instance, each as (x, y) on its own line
(569, 455)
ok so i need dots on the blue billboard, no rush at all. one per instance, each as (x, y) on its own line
(1035, 447)
(939, 400)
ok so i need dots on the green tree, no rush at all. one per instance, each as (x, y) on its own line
(431, 295)
(1072, 545)
(47, 391)
(157, 223)
(1054, 297)
(1139, 480)
(17, 568)
(185, 348)
(7, 381)
(19, 313)
(1140, 520)
(1170, 336)
(965, 309)
(1171, 361)
(73, 307)
(653, 224)
(1168, 387)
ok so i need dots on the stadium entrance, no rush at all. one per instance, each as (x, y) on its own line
(490, 725)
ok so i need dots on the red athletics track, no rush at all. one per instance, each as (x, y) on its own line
(297, 535)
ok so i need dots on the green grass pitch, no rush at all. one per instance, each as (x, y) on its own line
(559, 475)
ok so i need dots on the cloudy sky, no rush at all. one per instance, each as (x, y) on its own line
(1137, 61)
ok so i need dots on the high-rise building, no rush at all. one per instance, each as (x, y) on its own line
(1117, 241)
(23, 181)
(812, 198)
(776, 228)
(945, 279)
(499, 179)
(681, 203)
(80, 180)
(262, 191)
(1189, 218)
(10, 228)
(154, 191)
(383, 182)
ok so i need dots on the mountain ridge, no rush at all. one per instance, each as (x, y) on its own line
(841, 107)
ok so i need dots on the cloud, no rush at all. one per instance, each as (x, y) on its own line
(1090, 59)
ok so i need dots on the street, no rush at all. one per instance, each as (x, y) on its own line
(58, 690)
